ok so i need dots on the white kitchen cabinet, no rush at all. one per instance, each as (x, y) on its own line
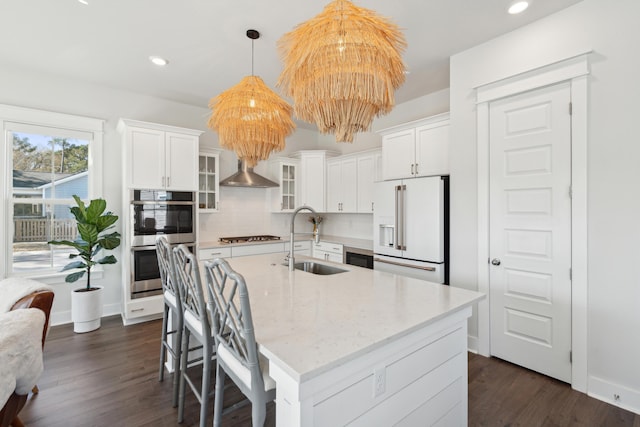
(262, 248)
(414, 149)
(300, 247)
(328, 251)
(313, 178)
(206, 254)
(208, 181)
(286, 173)
(367, 173)
(159, 156)
(142, 307)
(342, 185)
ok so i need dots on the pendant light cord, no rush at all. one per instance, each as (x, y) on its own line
(252, 56)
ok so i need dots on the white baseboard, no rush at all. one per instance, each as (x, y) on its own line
(615, 394)
(64, 317)
(472, 344)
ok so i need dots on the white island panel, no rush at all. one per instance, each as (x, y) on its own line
(362, 347)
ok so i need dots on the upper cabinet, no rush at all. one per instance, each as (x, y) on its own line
(208, 180)
(368, 172)
(342, 184)
(419, 148)
(316, 178)
(312, 178)
(286, 173)
(159, 156)
(350, 181)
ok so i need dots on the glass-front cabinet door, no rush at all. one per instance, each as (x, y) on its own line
(288, 187)
(285, 171)
(208, 181)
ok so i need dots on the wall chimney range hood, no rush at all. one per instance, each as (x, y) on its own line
(246, 177)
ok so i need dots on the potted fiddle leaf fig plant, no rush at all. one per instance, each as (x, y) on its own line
(94, 224)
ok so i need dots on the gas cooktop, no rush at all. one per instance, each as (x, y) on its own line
(244, 239)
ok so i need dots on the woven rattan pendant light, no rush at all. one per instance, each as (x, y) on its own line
(250, 118)
(341, 68)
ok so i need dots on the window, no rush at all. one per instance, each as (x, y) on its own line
(49, 162)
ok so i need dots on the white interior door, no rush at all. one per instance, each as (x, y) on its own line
(530, 230)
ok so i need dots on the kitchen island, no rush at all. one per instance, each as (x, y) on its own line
(360, 347)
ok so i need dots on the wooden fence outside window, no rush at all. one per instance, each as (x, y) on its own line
(43, 229)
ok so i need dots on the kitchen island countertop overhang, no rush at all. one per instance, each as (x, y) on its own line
(308, 325)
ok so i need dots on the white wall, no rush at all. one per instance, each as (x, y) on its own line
(611, 30)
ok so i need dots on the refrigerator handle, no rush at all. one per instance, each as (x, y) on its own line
(396, 218)
(403, 231)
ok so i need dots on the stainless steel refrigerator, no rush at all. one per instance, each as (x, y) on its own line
(411, 227)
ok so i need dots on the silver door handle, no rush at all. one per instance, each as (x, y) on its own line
(412, 169)
(397, 218)
(402, 233)
(417, 169)
(401, 264)
(495, 261)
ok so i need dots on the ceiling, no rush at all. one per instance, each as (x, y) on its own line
(108, 42)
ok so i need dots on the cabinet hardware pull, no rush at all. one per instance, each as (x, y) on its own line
(401, 264)
(417, 169)
(137, 309)
(168, 181)
(371, 206)
(412, 173)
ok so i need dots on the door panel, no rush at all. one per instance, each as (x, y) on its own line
(384, 218)
(424, 220)
(530, 230)
(147, 158)
(181, 161)
(398, 154)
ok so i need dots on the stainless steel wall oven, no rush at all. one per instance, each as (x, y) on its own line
(154, 213)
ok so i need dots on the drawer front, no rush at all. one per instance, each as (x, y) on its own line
(299, 246)
(267, 248)
(213, 253)
(329, 247)
(144, 306)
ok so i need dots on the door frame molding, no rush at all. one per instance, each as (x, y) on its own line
(574, 70)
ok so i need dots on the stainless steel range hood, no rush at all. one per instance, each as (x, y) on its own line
(246, 177)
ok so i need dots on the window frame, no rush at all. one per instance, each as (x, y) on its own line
(21, 117)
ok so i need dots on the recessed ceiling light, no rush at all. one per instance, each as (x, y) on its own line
(83, 1)
(160, 62)
(518, 7)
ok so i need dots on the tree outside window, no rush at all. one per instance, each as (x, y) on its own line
(47, 172)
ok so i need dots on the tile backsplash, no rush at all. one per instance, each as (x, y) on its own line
(246, 211)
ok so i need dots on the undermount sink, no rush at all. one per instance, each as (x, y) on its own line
(317, 268)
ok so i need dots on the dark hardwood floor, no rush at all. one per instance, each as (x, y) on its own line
(109, 377)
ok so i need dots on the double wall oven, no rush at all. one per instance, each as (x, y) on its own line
(154, 213)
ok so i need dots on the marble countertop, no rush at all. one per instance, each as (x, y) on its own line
(346, 241)
(308, 323)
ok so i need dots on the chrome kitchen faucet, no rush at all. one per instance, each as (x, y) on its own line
(293, 219)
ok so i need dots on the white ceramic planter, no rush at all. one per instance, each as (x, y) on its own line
(86, 309)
